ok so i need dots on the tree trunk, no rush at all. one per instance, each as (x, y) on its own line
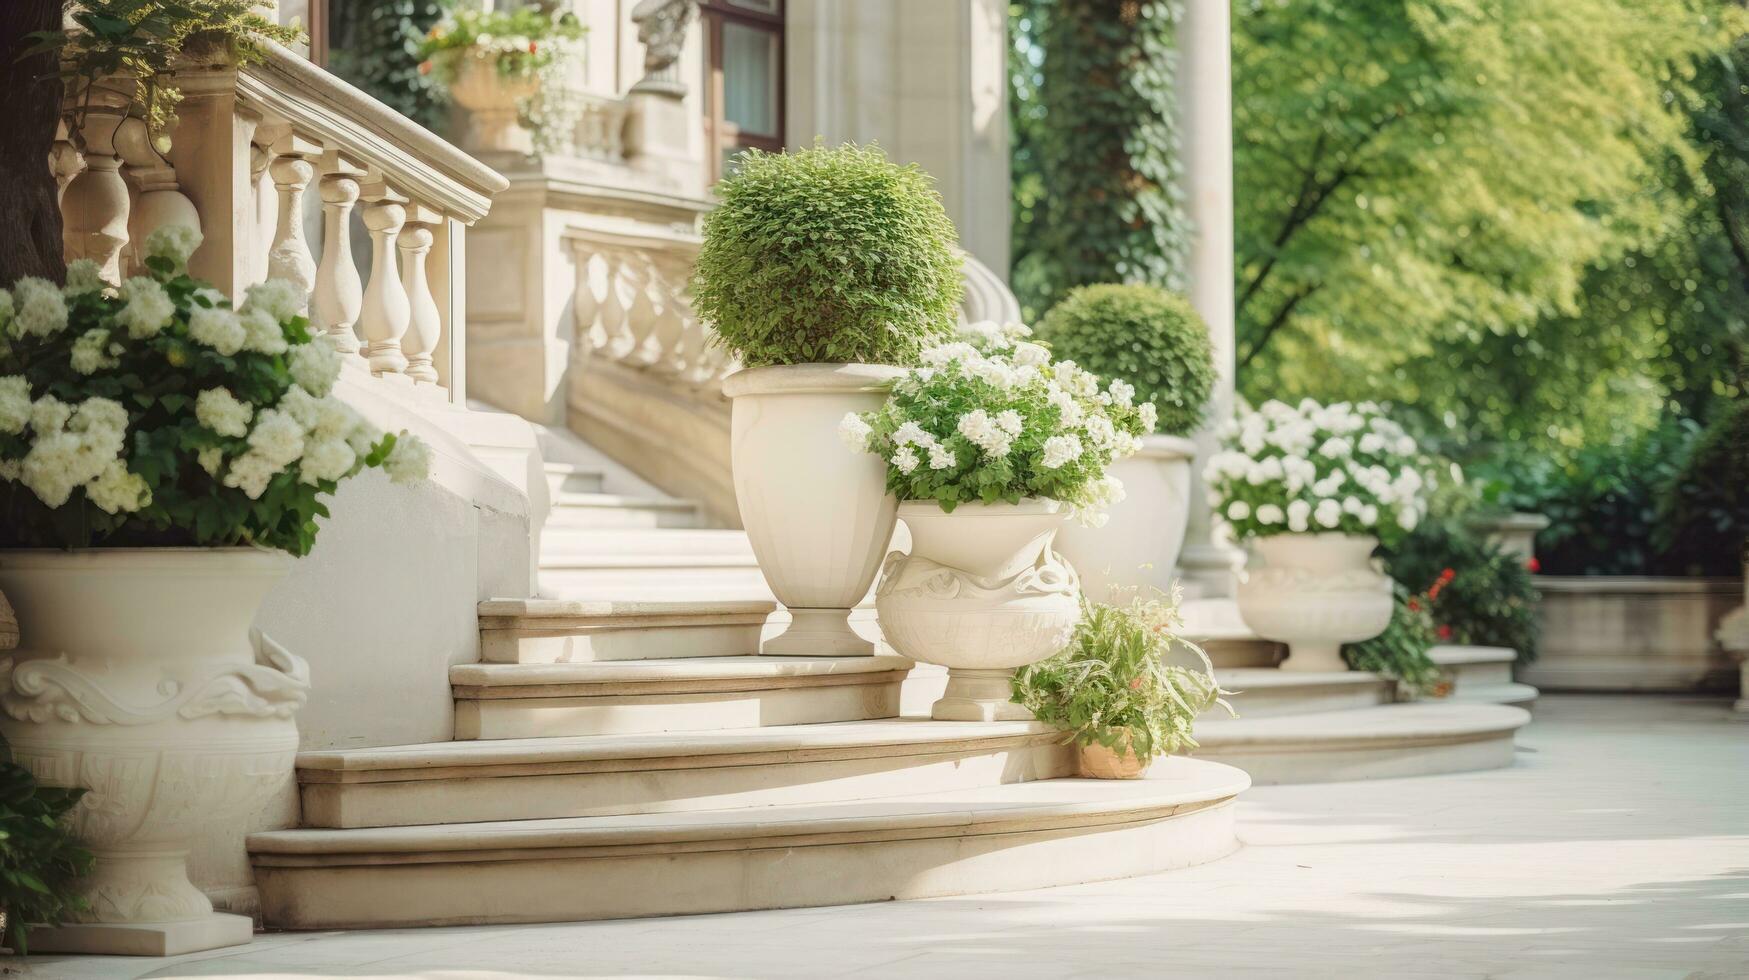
(30, 236)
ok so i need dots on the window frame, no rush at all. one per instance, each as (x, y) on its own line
(720, 134)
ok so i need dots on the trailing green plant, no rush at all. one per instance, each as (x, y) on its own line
(1703, 512)
(827, 254)
(1401, 651)
(375, 45)
(539, 41)
(156, 414)
(990, 418)
(1108, 153)
(138, 43)
(40, 859)
(1144, 335)
(1479, 593)
(1118, 685)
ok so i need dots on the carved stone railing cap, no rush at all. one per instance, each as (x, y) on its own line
(324, 107)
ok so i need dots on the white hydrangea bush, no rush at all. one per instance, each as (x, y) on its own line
(1341, 468)
(989, 417)
(158, 414)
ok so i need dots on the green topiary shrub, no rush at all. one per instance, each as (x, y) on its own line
(1144, 335)
(830, 254)
(1703, 514)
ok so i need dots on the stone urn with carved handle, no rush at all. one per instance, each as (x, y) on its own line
(137, 676)
(982, 593)
(1315, 592)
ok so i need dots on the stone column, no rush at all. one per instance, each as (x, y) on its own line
(1205, 104)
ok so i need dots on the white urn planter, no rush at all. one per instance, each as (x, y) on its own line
(490, 104)
(138, 677)
(818, 514)
(981, 593)
(1315, 592)
(1137, 548)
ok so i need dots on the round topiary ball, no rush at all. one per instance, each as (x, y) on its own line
(830, 254)
(1144, 335)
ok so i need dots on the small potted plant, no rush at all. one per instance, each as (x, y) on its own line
(1315, 488)
(824, 272)
(1154, 341)
(989, 446)
(163, 456)
(507, 69)
(1117, 691)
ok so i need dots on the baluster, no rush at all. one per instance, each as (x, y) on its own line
(585, 306)
(424, 326)
(263, 199)
(615, 323)
(65, 161)
(339, 292)
(671, 319)
(386, 310)
(641, 312)
(160, 202)
(94, 208)
(290, 257)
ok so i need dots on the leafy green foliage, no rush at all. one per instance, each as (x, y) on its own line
(1602, 502)
(1144, 335)
(520, 40)
(1477, 592)
(1703, 513)
(1106, 204)
(1116, 684)
(375, 45)
(142, 41)
(990, 419)
(829, 254)
(40, 860)
(1416, 221)
(1401, 651)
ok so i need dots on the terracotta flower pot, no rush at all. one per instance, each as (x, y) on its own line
(981, 593)
(1099, 762)
(818, 515)
(1315, 592)
(138, 677)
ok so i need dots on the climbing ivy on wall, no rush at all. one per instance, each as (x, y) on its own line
(1101, 169)
(374, 44)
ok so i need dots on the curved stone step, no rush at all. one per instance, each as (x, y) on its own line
(571, 509)
(692, 694)
(532, 631)
(1475, 666)
(600, 775)
(1413, 739)
(1517, 695)
(1270, 693)
(573, 478)
(998, 838)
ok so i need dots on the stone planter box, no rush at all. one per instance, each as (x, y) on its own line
(1619, 633)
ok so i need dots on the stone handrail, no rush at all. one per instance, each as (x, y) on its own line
(247, 147)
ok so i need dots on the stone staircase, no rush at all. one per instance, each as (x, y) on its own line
(623, 749)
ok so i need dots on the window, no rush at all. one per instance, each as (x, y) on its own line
(743, 79)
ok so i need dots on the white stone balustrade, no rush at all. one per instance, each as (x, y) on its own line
(251, 147)
(631, 308)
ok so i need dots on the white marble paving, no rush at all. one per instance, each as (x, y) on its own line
(1617, 846)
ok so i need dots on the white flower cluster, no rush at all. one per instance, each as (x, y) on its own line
(322, 435)
(71, 447)
(1313, 467)
(989, 413)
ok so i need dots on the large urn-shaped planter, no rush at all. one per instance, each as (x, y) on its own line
(138, 677)
(490, 106)
(981, 593)
(1136, 551)
(1315, 592)
(818, 514)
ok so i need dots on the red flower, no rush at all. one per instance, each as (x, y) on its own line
(531, 47)
(1414, 605)
(1534, 565)
(1444, 631)
(1447, 576)
(424, 67)
(1136, 685)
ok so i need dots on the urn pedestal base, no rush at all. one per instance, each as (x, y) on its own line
(979, 695)
(1319, 657)
(144, 938)
(819, 633)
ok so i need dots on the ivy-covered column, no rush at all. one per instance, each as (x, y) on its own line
(1205, 113)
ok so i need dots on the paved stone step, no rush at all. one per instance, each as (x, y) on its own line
(654, 577)
(566, 544)
(568, 630)
(601, 775)
(692, 694)
(573, 478)
(915, 845)
(616, 510)
(1475, 666)
(1412, 739)
(1517, 695)
(1269, 693)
